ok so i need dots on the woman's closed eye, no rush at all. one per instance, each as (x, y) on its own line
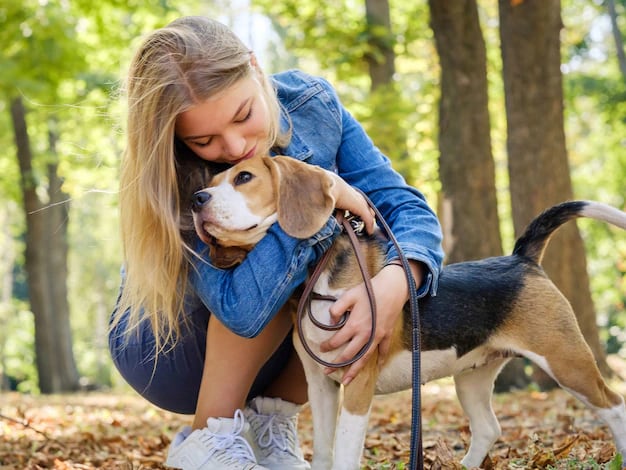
(247, 116)
(205, 143)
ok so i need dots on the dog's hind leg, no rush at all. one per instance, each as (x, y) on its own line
(575, 370)
(550, 337)
(474, 389)
(354, 417)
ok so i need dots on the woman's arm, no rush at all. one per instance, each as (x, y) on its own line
(247, 297)
(412, 221)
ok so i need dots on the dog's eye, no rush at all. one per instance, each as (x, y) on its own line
(243, 177)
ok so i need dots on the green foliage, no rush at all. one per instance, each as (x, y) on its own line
(66, 60)
(39, 36)
(400, 118)
(8, 167)
(18, 348)
(589, 464)
(617, 462)
(332, 31)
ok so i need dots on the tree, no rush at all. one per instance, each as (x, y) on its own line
(367, 51)
(617, 38)
(468, 206)
(46, 264)
(384, 94)
(32, 56)
(537, 155)
(381, 57)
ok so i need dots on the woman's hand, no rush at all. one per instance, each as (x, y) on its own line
(348, 198)
(391, 293)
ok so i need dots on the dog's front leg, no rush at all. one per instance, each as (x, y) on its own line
(354, 417)
(324, 401)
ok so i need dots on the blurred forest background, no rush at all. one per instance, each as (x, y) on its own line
(495, 110)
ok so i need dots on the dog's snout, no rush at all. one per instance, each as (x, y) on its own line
(199, 200)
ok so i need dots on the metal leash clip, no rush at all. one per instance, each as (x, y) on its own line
(357, 224)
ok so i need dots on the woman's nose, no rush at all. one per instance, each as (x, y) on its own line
(234, 144)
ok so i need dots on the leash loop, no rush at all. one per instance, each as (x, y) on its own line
(324, 326)
(307, 296)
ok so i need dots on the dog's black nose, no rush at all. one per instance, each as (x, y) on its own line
(199, 200)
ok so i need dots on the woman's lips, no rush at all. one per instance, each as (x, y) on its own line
(248, 155)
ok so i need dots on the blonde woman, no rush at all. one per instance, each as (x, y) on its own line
(195, 339)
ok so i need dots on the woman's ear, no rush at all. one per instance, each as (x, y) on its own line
(254, 62)
(304, 198)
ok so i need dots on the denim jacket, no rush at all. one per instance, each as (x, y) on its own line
(247, 297)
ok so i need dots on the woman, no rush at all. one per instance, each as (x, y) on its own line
(195, 339)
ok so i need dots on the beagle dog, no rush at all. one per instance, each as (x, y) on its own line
(485, 312)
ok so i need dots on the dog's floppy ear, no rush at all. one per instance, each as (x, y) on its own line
(304, 198)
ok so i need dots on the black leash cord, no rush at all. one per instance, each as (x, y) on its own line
(417, 454)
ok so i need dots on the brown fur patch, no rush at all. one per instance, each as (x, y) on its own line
(544, 323)
(345, 274)
(358, 394)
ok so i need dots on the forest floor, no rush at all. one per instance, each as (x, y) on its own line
(122, 431)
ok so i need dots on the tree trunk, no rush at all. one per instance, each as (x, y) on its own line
(46, 268)
(387, 132)
(538, 163)
(381, 59)
(617, 38)
(468, 208)
(58, 216)
(7, 261)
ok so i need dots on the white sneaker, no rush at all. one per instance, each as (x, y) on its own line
(222, 445)
(274, 423)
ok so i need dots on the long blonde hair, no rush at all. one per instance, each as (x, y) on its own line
(175, 68)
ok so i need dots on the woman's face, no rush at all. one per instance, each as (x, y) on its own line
(228, 127)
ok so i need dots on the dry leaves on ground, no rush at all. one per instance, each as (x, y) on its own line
(122, 431)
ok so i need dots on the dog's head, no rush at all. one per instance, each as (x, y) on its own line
(238, 205)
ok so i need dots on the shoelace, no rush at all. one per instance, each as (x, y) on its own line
(237, 447)
(276, 432)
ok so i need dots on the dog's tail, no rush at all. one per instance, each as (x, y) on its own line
(534, 240)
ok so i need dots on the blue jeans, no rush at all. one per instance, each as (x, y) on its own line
(174, 382)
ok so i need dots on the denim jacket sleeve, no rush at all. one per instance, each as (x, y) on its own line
(403, 207)
(247, 297)
(351, 153)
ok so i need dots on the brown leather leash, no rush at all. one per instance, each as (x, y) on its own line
(304, 305)
(417, 455)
